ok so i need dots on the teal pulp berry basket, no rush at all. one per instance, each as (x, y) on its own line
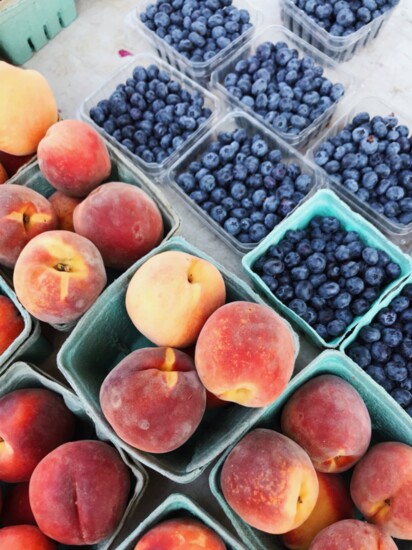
(387, 425)
(21, 375)
(28, 25)
(325, 203)
(105, 335)
(179, 506)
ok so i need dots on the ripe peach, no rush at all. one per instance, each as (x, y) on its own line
(24, 537)
(329, 419)
(64, 207)
(24, 213)
(11, 323)
(333, 504)
(245, 354)
(171, 295)
(154, 399)
(352, 534)
(17, 509)
(3, 174)
(381, 487)
(79, 491)
(32, 422)
(122, 221)
(73, 157)
(270, 482)
(180, 534)
(58, 276)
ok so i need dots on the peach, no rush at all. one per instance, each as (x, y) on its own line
(73, 157)
(24, 537)
(58, 276)
(180, 534)
(24, 213)
(245, 354)
(270, 482)
(17, 509)
(11, 323)
(333, 504)
(352, 534)
(171, 295)
(64, 207)
(122, 221)
(79, 491)
(33, 421)
(154, 399)
(329, 419)
(381, 487)
(3, 174)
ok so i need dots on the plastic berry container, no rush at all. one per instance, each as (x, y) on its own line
(199, 71)
(387, 425)
(231, 122)
(274, 34)
(396, 232)
(105, 335)
(152, 169)
(339, 48)
(325, 203)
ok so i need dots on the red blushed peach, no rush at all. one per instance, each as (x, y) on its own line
(24, 537)
(154, 399)
(11, 323)
(381, 487)
(171, 295)
(33, 421)
(352, 534)
(64, 207)
(58, 276)
(3, 174)
(329, 419)
(270, 482)
(180, 534)
(73, 157)
(122, 221)
(79, 491)
(333, 504)
(24, 213)
(17, 509)
(245, 353)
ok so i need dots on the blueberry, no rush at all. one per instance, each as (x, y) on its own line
(402, 397)
(316, 262)
(377, 373)
(336, 328)
(298, 306)
(329, 290)
(380, 352)
(304, 290)
(355, 285)
(218, 213)
(360, 354)
(232, 226)
(374, 276)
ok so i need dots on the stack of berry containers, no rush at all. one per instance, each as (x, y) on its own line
(340, 48)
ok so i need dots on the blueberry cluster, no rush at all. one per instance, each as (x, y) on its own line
(287, 92)
(151, 114)
(372, 158)
(344, 17)
(384, 348)
(326, 274)
(198, 29)
(244, 186)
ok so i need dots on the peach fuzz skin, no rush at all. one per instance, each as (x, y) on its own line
(33, 422)
(24, 213)
(153, 399)
(79, 491)
(245, 354)
(329, 419)
(17, 509)
(333, 504)
(171, 295)
(381, 487)
(270, 482)
(180, 534)
(352, 534)
(25, 537)
(64, 207)
(11, 323)
(73, 157)
(58, 276)
(122, 221)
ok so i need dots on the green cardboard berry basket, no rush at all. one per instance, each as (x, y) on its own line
(21, 375)
(325, 203)
(179, 506)
(105, 335)
(28, 25)
(387, 425)
(122, 170)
